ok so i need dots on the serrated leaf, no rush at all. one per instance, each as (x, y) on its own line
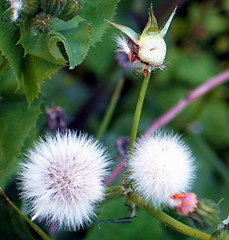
(9, 35)
(96, 13)
(17, 118)
(60, 25)
(76, 42)
(35, 71)
(37, 44)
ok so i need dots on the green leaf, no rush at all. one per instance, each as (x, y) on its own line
(35, 71)
(76, 42)
(17, 119)
(37, 44)
(95, 12)
(9, 35)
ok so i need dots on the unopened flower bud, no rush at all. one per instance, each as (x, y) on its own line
(54, 7)
(204, 213)
(71, 10)
(149, 48)
(31, 8)
(220, 235)
(42, 22)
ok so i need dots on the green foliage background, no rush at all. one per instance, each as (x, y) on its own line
(36, 75)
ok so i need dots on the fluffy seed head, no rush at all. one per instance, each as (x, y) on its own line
(152, 49)
(161, 165)
(62, 179)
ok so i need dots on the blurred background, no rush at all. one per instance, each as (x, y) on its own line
(198, 47)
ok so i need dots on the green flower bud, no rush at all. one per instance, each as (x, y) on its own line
(220, 235)
(42, 22)
(72, 8)
(31, 8)
(54, 7)
(206, 214)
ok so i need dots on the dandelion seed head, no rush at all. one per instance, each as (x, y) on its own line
(62, 179)
(160, 166)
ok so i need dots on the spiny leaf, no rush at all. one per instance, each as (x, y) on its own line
(16, 121)
(9, 36)
(37, 44)
(76, 42)
(96, 13)
(35, 71)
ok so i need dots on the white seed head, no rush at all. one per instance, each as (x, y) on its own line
(160, 166)
(152, 49)
(62, 179)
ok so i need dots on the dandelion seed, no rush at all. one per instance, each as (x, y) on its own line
(161, 165)
(16, 6)
(62, 179)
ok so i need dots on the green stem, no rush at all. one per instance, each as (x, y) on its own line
(114, 192)
(138, 110)
(163, 217)
(43, 235)
(110, 109)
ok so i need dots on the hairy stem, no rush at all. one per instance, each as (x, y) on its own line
(138, 111)
(42, 234)
(194, 94)
(110, 109)
(166, 219)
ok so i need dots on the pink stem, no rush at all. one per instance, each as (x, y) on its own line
(116, 171)
(172, 113)
(194, 94)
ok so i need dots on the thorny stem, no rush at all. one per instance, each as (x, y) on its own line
(138, 111)
(43, 235)
(166, 219)
(194, 94)
(110, 109)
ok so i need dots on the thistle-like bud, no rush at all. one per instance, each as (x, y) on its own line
(42, 22)
(54, 7)
(72, 9)
(31, 8)
(149, 48)
(204, 213)
(220, 235)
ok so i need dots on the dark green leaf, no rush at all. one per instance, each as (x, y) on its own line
(16, 120)
(76, 42)
(35, 71)
(95, 12)
(9, 36)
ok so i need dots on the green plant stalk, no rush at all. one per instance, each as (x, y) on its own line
(166, 219)
(110, 109)
(114, 192)
(138, 111)
(43, 235)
